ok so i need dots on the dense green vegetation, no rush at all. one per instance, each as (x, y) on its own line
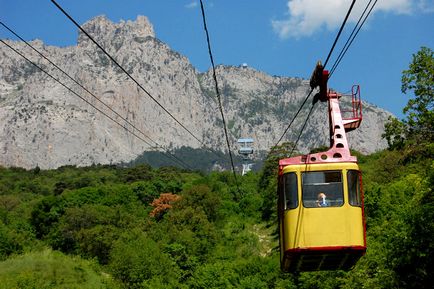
(48, 269)
(144, 227)
(102, 214)
(212, 237)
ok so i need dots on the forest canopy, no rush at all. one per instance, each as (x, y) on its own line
(106, 226)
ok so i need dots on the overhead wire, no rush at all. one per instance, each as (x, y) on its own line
(302, 129)
(75, 81)
(182, 163)
(134, 80)
(310, 92)
(294, 117)
(214, 74)
(92, 94)
(339, 33)
(352, 37)
(126, 72)
(218, 91)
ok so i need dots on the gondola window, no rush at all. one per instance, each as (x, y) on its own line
(290, 187)
(322, 189)
(354, 190)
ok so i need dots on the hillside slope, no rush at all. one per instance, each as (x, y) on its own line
(43, 124)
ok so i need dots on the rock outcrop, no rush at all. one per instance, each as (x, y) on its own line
(43, 124)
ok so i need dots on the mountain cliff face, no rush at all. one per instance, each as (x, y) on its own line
(43, 124)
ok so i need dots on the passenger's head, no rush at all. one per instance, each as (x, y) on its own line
(321, 196)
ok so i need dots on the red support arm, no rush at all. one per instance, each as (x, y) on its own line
(339, 150)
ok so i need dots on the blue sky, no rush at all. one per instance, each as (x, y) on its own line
(279, 37)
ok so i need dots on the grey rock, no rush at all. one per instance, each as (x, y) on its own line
(43, 124)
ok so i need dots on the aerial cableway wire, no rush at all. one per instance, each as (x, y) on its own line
(79, 84)
(183, 164)
(310, 92)
(302, 129)
(352, 37)
(131, 77)
(218, 92)
(296, 114)
(339, 33)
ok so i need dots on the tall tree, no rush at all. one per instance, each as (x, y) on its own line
(418, 126)
(419, 78)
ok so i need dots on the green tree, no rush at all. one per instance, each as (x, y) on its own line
(8, 244)
(418, 126)
(394, 133)
(137, 260)
(419, 78)
(47, 269)
(44, 214)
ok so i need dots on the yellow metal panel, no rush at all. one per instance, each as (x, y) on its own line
(322, 227)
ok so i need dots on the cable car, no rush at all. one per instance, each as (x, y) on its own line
(320, 198)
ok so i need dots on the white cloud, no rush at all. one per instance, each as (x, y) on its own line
(305, 17)
(193, 4)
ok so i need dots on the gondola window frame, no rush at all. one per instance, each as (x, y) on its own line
(290, 190)
(311, 201)
(354, 188)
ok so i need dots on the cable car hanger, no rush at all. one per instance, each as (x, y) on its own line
(320, 198)
(339, 149)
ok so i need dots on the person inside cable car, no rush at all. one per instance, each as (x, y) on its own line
(321, 201)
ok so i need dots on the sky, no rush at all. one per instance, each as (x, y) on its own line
(279, 37)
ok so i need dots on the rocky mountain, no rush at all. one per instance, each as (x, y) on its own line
(43, 124)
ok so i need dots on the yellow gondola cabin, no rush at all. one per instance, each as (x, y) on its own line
(320, 199)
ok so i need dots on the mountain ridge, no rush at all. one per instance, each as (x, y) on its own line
(44, 125)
